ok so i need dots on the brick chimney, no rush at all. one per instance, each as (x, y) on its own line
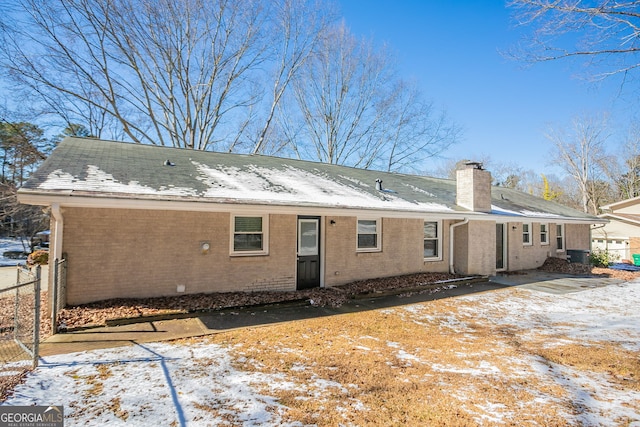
(473, 188)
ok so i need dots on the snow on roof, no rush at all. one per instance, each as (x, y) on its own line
(106, 168)
(98, 180)
(290, 185)
(525, 213)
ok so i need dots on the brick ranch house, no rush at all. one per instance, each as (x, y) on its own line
(140, 221)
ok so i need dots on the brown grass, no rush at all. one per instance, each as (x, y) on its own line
(386, 368)
(622, 366)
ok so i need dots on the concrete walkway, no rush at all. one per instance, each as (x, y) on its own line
(150, 330)
(553, 283)
(229, 319)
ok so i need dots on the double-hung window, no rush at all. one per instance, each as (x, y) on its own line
(560, 237)
(526, 234)
(249, 234)
(432, 240)
(544, 234)
(369, 231)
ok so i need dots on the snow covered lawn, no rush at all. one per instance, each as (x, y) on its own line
(15, 245)
(507, 357)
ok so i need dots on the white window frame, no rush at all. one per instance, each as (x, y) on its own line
(265, 236)
(378, 235)
(438, 239)
(528, 233)
(560, 237)
(544, 233)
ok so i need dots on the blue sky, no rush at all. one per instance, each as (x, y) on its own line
(452, 48)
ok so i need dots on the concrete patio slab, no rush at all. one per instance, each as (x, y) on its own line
(553, 283)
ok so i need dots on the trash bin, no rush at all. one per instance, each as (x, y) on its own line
(580, 256)
(636, 259)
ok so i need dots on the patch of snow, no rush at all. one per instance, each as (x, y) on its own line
(600, 401)
(495, 409)
(403, 355)
(192, 384)
(484, 368)
(419, 190)
(16, 245)
(501, 211)
(101, 181)
(155, 384)
(585, 315)
(296, 185)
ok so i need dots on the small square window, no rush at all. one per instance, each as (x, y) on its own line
(368, 235)
(249, 235)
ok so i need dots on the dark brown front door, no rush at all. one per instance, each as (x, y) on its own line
(308, 252)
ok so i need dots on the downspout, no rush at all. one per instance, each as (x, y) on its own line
(451, 242)
(58, 231)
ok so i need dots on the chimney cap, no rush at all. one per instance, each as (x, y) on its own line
(473, 165)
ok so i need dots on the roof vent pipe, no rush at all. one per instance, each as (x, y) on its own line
(379, 184)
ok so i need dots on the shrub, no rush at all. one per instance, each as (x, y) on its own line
(40, 257)
(600, 258)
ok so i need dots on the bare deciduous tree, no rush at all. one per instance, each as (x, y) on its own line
(413, 130)
(349, 108)
(299, 26)
(184, 73)
(605, 33)
(580, 152)
(336, 95)
(625, 173)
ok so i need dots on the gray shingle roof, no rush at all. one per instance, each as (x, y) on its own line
(90, 167)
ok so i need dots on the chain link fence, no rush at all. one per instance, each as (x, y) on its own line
(58, 291)
(20, 318)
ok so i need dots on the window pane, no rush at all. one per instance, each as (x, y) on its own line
(525, 238)
(248, 224)
(559, 238)
(525, 228)
(430, 248)
(308, 238)
(431, 230)
(366, 226)
(247, 242)
(367, 241)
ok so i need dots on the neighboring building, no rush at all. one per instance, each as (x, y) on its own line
(621, 235)
(140, 221)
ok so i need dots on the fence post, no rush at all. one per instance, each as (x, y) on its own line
(54, 297)
(36, 326)
(16, 325)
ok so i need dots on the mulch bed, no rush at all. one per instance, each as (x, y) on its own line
(99, 313)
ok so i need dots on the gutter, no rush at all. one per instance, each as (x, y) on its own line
(451, 241)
